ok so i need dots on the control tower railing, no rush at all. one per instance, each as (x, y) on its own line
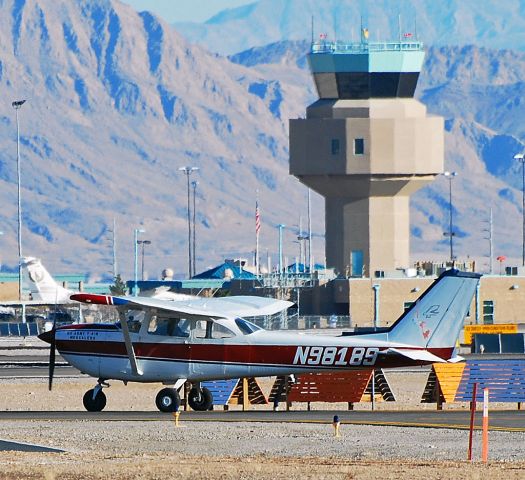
(325, 46)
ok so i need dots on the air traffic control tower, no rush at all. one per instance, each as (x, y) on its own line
(366, 145)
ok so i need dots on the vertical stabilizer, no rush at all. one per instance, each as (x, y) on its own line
(436, 318)
(47, 289)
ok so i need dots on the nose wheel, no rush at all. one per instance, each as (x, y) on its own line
(168, 400)
(95, 399)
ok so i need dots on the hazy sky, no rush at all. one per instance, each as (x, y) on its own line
(185, 10)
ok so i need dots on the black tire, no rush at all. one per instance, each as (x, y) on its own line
(96, 404)
(200, 399)
(168, 400)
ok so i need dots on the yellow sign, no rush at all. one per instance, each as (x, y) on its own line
(497, 328)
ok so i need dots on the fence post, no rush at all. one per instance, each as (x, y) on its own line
(472, 416)
(485, 444)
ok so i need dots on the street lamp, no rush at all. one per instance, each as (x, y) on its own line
(280, 227)
(450, 176)
(188, 171)
(143, 243)
(194, 186)
(136, 244)
(521, 158)
(17, 105)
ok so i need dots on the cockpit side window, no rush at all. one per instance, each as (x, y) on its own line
(134, 320)
(168, 326)
(212, 330)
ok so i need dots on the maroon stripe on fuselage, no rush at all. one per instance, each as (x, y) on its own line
(217, 353)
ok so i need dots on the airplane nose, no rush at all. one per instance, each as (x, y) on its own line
(48, 336)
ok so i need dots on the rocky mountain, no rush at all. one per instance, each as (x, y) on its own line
(117, 101)
(488, 23)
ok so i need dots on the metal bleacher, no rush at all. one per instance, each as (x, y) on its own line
(505, 379)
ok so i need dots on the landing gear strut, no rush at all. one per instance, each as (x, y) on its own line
(95, 400)
(200, 399)
(168, 400)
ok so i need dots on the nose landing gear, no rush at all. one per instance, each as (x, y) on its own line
(95, 399)
(168, 400)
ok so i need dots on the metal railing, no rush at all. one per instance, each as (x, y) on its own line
(365, 47)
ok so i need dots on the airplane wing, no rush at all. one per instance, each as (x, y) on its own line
(423, 355)
(206, 307)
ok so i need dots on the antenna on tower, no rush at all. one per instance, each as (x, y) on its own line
(399, 26)
(312, 29)
(415, 29)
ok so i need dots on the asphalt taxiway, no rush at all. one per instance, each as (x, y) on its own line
(503, 420)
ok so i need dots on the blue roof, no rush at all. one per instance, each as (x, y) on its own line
(302, 268)
(219, 271)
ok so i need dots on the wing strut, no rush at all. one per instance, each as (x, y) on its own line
(129, 348)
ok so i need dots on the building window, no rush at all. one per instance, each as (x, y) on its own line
(336, 146)
(359, 146)
(488, 312)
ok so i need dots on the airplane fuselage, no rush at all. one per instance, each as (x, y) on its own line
(99, 350)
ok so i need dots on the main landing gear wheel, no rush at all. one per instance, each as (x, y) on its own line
(168, 400)
(96, 404)
(200, 399)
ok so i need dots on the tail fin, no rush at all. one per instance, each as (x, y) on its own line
(48, 290)
(436, 318)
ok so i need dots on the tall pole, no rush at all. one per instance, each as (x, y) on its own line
(521, 158)
(257, 229)
(280, 227)
(450, 176)
(188, 171)
(143, 244)
(309, 234)
(194, 186)
(114, 248)
(135, 247)
(17, 105)
(491, 251)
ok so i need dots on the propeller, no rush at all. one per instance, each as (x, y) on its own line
(52, 345)
(52, 353)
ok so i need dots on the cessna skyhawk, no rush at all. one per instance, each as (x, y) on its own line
(206, 339)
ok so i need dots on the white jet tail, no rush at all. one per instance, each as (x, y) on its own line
(47, 289)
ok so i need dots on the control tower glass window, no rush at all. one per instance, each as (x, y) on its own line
(336, 146)
(359, 146)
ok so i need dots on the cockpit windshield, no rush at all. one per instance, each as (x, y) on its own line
(246, 327)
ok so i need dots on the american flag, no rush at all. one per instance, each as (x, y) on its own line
(257, 219)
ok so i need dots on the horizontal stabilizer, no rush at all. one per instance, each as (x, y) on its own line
(423, 355)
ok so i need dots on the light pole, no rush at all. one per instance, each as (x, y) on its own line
(450, 176)
(521, 158)
(188, 171)
(17, 105)
(194, 186)
(136, 245)
(143, 243)
(280, 227)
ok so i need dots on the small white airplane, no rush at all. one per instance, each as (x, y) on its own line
(206, 339)
(48, 291)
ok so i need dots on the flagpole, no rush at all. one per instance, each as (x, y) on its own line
(257, 228)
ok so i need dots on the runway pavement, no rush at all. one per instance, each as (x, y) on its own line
(505, 420)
